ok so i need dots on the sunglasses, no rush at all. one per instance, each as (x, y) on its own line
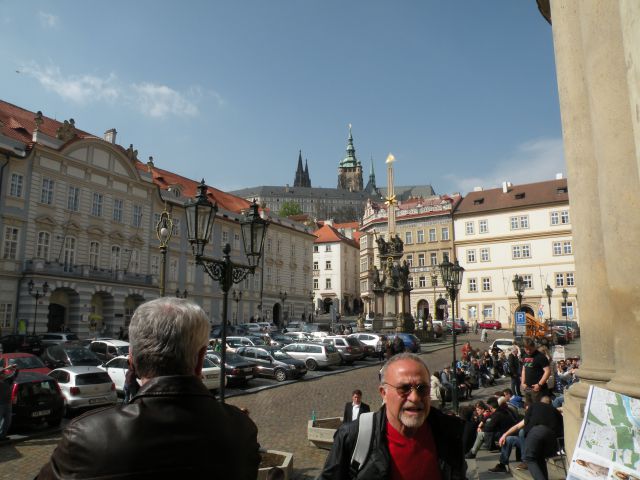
(405, 390)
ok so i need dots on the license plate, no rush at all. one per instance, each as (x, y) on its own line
(96, 400)
(211, 377)
(41, 413)
(248, 377)
(248, 369)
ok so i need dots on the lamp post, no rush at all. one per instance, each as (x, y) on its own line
(200, 217)
(452, 279)
(311, 298)
(164, 230)
(237, 296)
(565, 295)
(518, 287)
(283, 297)
(549, 292)
(434, 280)
(184, 294)
(37, 294)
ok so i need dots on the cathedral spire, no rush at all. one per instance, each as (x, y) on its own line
(307, 179)
(350, 160)
(299, 178)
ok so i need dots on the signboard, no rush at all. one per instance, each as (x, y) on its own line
(558, 353)
(521, 324)
(607, 447)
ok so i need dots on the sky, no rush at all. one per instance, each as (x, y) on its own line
(462, 92)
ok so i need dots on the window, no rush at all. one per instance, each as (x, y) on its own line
(327, 265)
(434, 281)
(472, 285)
(137, 216)
(422, 282)
(486, 284)
(484, 255)
(315, 265)
(528, 281)
(565, 279)
(468, 228)
(155, 265)
(410, 260)
(567, 309)
(364, 264)
(96, 205)
(278, 246)
(175, 231)
(421, 259)
(555, 218)
(560, 218)
(6, 310)
(445, 256)
(236, 242)
(73, 198)
(564, 217)
(434, 258)
(10, 244)
(520, 222)
(409, 281)
(526, 251)
(42, 247)
(363, 242)
(269, 244)
(191, 273)
(173, 269)
(557, 248)
(327, 283)
(315, 284)
(46, 194)
(569, 278)
(364, 286)
(94, 255)
(327, 248)
(118, 206)
(224, 238)
(408, 238)
(559, 279)
(69, 253)
(445, 233)
(487, 311)
(420, 236)
(471, 256)
(315, 249)
(115, 257)
(521, 251)
(432, 235)
(16, 185)
(483, 226)
(566, 248)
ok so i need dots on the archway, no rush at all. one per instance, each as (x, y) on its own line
(56, 317)
(326, 305)
(64, 310)
(526, 309)
(441, 308)
(423, 310)
(276, 314)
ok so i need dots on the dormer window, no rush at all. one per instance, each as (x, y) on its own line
(478, 201)
(519, 196)
(176, 192)
(562, 190)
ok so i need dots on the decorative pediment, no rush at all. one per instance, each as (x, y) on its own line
(117, 236)
(95, 230)
(136, 240)
(45, 220)
(70, 225)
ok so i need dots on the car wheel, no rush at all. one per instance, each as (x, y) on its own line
(495, 327)
(311, 364)
(280, 375)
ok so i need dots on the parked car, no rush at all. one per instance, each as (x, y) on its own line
(368, 324)
(568, 323)
(67, 355)
(21, 343)
(235, 342)
(117, 368)
(296, 326)
(237, 368)
(314, 355)
(490, 324)
(57, 338)
(281, 339)
(460, 325)
(210, 375)
(411, 342)
(105, 350)
(348, 348)
(237, 330)
(36, 398)
(298, 336)
(367, 350)
(26, 362)
(503, 344)
(375, 340)
(85, 387)
(252, 328)
(268, 327)
(273, 363)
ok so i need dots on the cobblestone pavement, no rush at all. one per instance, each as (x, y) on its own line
(280, 413)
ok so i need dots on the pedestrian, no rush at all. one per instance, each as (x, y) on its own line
(355, 408)
(174, 427)
(475, 327)
(131, 385)
(483, 335)
(408, 438)
(535, 372)
(6, 381)
(515, 370)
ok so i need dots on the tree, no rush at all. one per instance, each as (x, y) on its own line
(289, 208)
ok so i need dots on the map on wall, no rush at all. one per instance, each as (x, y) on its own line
(608, 446)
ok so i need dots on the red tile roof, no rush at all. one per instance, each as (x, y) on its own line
(328, 234)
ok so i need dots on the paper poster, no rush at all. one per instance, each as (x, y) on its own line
(608, 446)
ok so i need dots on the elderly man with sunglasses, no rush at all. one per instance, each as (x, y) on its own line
(409, 439)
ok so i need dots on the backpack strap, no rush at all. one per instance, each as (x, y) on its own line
(363, 443)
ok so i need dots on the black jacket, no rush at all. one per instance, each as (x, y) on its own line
(348, 411)
(173, 428)
(447, 434)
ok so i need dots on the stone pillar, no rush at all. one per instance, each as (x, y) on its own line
(604, 190)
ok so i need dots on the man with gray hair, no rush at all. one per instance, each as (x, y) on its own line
(173, 426)
(407, 439)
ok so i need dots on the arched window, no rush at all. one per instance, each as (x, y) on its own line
(42, 248)
(115, 257)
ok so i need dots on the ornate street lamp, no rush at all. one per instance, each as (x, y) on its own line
(200, 217)
(283, 297)
(549, 292)
(518, 287)
(311, 298)
(164, 230)
(237, 296)
(452, 279)
(37, 294)
(565, 295)
(184, 294)
(434, 282)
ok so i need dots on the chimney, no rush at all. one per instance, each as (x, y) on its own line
(505, 187)
(329, 222)
(110, 135)
(558, 176)
(478, 189)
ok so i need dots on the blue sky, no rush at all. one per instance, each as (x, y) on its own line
(463, 93)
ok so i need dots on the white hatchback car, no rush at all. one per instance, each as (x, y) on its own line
(503, 344)
(85, 387)
(314, 355)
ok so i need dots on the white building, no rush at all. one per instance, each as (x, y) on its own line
(335, 272)
(518, 229)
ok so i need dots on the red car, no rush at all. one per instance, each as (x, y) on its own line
(490, 325)
(26, 362)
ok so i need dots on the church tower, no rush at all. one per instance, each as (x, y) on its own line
(371, 187)
(350, 169)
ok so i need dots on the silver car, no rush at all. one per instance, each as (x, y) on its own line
(314, 355)
(85, 387)
(349, 349)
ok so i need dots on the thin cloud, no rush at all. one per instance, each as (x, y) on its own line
(48, 20)
(159, 101)
(533, 161)
(80, 89)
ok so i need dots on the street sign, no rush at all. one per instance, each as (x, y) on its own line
(521, 323)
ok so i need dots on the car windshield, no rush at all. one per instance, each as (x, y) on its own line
(72, 336)
(124, 350)
(26, 362)
(258, 341)
(281, 355)
(354, 342)
(93, 378)
(208, 363)
(81, 355)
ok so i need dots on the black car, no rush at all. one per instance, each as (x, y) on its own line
(232, 330)
(36, 399)
(21, 343)
(274, 363)
(237, 369)
(282, 339)
(69, 355)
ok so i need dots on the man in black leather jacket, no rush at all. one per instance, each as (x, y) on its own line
(173, 426)
(407, 413)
